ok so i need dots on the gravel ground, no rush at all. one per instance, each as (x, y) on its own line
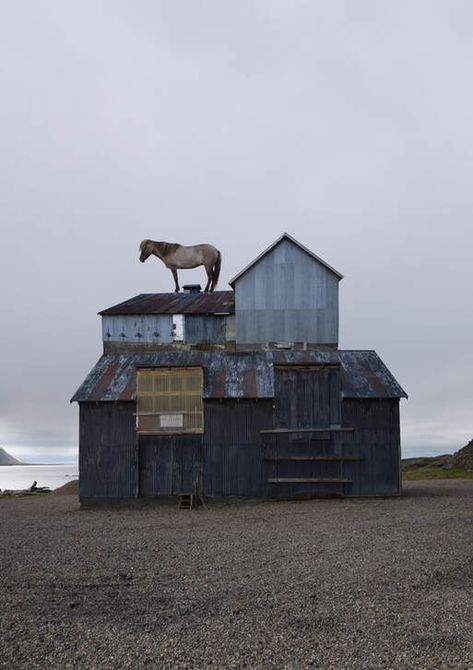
(314, 584)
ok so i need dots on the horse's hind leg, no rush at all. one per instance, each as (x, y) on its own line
(174, 274)
(209, 280)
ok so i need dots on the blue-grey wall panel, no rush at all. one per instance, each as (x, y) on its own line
(146, 328)
(204, 328)
(287, 296)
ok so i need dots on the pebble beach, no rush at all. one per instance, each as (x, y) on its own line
(379, 583)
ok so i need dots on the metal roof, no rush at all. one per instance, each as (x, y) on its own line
(218, 302)
(363, 373)
(280, 239)
(239, 374)
(227, 375)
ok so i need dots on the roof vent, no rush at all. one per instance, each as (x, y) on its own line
(192, 288)
(282, 345)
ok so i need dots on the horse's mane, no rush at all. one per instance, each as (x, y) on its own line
(167, 248)
(164, 248)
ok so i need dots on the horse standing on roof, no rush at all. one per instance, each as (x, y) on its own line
(177, 257)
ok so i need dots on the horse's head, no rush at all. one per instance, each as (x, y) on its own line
(145, 250)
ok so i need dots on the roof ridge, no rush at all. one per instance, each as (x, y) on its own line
(272, 246)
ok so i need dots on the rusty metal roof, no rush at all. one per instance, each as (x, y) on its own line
(240, 374)
(218, 302)
(226, 375)
(363, 373)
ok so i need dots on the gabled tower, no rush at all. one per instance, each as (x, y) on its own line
(287, 297)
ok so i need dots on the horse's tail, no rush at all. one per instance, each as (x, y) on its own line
(216, 270)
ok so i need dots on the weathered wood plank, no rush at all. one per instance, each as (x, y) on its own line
(314, 458)
(312, 480)
(330, 429)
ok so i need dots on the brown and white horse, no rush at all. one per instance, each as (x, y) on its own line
(177, 257)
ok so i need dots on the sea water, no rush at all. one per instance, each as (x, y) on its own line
(22, 476)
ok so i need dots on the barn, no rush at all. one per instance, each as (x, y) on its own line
(238, 393)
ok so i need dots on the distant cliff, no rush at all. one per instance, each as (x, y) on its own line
(464, 457)
(6, 459)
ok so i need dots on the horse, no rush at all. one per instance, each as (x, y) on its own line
(177, 257)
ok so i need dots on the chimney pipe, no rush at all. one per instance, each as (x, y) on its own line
(192, 288)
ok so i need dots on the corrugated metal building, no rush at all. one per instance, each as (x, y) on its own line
(238, 393)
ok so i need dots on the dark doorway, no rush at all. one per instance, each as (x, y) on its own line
(170, 464)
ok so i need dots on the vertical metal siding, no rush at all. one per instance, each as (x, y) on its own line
(287, 296)
(146, 328)
(304, 398)
(204, 329)
(377, 439)
(230, 333)
(232, 453)
(169, 464)
(108, 462)
(307, 398)
(232, 458)
(303, 444)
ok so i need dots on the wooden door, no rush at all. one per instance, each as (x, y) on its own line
(169, 465)
(307, 396)
(302, 459)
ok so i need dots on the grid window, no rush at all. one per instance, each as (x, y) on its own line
(169, 400)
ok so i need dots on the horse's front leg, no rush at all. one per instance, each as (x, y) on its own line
(174, 274)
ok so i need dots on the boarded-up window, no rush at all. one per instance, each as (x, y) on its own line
(169, 400)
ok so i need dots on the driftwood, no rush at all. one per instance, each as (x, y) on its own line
(33, 490)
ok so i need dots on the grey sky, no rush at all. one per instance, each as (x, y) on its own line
(347, 124)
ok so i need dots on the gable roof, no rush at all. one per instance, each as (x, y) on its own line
(284, 236)
(218, 302)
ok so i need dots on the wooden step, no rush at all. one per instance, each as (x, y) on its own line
(309, 480)
(186, 501)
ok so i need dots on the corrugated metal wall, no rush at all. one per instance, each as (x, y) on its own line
(149, 328)
(169, 464)
(307, 396)
(377, 439)
(108, 463)
(288, 296)
(300, 456)
(232, 452)
(204, 329)
(234, 458)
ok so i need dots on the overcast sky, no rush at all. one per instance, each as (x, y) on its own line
(347, 124)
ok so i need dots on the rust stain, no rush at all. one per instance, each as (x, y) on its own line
(238, 375)
(249, 383)
(217, 384)
(175, 303)
(104, 381)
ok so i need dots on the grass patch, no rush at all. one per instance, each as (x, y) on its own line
(437, 473)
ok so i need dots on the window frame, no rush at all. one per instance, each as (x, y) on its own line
(193, 396)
